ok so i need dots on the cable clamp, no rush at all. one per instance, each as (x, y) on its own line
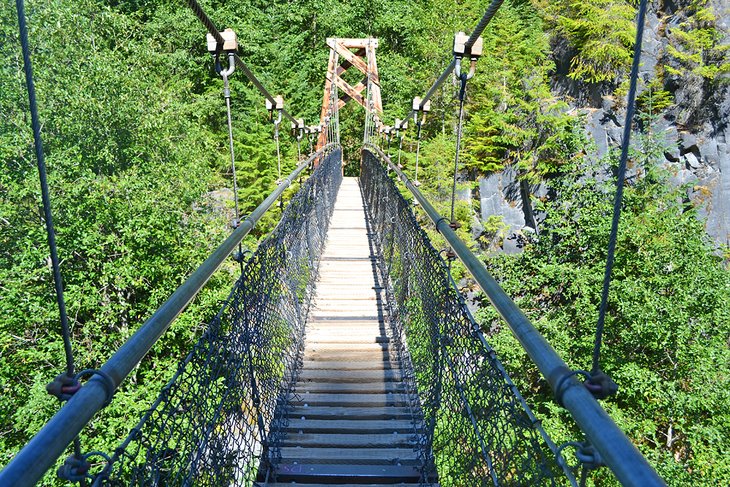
(74, 469)
(449, 255)
(423, 110)
(597, 382)
(600, 385)
(589, 456)
(438, 222)
(460, 49)
(225, 73)
(278, 105)
(454, 225)
(586, 454)
(250, 220)
(240, 256)
(560, 387)
(230, 42)
(63, 387)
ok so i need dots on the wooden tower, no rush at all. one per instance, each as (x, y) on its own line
(344, 54)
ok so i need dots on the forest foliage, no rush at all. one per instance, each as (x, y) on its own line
(135, 132)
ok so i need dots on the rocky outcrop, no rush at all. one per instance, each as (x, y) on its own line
(695, 129)
(506, 196)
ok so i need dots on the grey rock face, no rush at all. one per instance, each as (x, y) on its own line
(503, 195)
(695, 133)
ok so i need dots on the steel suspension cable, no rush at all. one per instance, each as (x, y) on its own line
(418, 148)
(210, 26)
(45, 194)
(278, 149)
(459, 132)
(483, 22)
(205, 20)
(70, 381)
(227, 95)
(225, 73)
(630, 109)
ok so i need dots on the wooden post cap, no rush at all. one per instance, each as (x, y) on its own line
(279, 103)
(460, 46)
(230, 41)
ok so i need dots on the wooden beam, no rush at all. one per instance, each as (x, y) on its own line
(350, 57)
(374, 78)
(325, 100)
(363, 58)
(346, 65)
(355, 43)
(349, 90)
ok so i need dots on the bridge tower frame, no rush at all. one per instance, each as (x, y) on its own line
(344, 54)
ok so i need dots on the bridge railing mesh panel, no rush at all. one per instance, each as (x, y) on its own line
(477, 426)
(211, 422)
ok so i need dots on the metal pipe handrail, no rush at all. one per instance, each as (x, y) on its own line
(617, 451)
(41, 452)
(486, 18)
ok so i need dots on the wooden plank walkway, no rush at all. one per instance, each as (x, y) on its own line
(350, 423)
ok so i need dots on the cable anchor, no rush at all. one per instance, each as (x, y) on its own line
(600, 384)
(461, 51)
(74, 469)
(64, 386)
(586, 454)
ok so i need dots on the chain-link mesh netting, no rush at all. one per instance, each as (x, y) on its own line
(480, 430)
(212, 422)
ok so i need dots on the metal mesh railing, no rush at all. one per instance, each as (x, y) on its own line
(218, 420)
(478, 425)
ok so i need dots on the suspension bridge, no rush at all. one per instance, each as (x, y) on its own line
(345, 353)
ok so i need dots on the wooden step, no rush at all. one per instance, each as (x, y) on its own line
(315, 322)
(360, 399)
(338, 440)
(360, 347)
(349, 365)
(339, 473)
(327, 355)
(344, 315)
(330, 375)
(387, 426)
(349, 412)
(345, 336)
(351, 456)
